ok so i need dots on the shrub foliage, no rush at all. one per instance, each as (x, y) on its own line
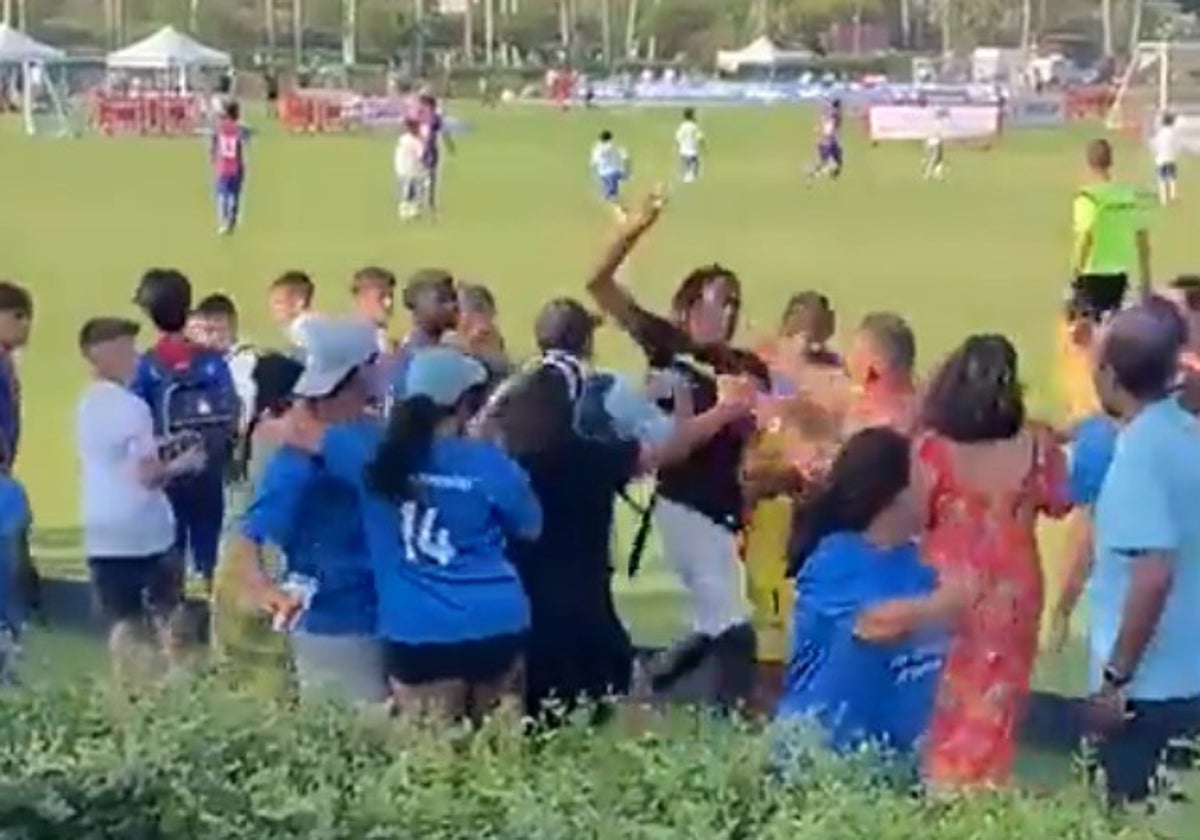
(197, 761)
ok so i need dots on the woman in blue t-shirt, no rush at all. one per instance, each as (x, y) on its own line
(438, 508)
(326, 594)
(867, 644)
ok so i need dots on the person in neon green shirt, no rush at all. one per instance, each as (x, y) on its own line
(1111, 238)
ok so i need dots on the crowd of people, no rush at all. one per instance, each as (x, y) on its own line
(428, 524)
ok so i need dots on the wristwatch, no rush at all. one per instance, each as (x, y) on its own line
(1116, 679)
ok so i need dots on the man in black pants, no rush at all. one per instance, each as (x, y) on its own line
(1111, 238)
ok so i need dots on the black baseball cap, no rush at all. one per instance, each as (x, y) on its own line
(427, 280)
(99, 330)
(565, 324)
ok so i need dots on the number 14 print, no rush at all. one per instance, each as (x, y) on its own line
(424, 540)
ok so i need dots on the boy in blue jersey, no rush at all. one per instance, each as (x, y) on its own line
(610, 163)
(829, 143)
(439, 508)
(193, 399)
(14, 518)
(16, 322)
(228, 155)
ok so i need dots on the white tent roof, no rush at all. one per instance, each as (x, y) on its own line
(167, 48)
(761, 53)
(18, 48)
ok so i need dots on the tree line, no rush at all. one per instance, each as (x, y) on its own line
(608, 31)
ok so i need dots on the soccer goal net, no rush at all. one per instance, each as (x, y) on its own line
(1162, 77)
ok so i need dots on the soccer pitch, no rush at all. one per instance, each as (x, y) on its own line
(986, 250)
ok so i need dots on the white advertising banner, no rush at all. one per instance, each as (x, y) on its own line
(1187, 133)
(1037, 111)
(918, 122)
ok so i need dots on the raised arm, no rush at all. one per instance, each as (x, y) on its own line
(613, 298)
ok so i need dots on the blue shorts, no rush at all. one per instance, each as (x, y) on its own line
(690, 163)
(830, 151)
(229, 184)
(610, 186)
(1168, 172)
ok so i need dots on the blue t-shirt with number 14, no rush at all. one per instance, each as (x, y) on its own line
(442, 573)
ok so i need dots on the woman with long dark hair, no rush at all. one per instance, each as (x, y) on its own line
(987, 474)
(868, 636)
(701, 507)
(439, 509)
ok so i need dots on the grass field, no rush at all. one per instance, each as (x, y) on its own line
(985, 250)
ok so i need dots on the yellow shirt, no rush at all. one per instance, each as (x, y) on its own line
(770, 592)
(1113, 214)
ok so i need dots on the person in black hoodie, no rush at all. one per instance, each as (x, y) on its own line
(578, 648)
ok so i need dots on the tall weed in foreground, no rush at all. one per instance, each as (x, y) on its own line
(199, 762)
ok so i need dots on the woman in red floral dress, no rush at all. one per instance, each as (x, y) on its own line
(987, 475)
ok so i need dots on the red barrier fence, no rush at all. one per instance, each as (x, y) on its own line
(151, 112)
(315, 111)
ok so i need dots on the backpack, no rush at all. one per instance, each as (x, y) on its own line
(196, 402)
(593, 421)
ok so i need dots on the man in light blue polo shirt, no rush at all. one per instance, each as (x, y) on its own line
(1145, 586)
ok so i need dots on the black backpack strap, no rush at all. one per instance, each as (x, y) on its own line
(642, 535)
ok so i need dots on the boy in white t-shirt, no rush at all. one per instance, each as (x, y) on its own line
(290, 300)
(689, 139)
(1164, 145)
(128, 526)
(408, 163)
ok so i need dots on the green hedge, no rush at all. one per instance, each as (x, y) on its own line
(197, 762)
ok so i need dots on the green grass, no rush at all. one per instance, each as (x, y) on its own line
(985, 251)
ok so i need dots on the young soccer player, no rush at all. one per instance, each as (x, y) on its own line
(1165, 147)
(409, 166)
(16, 322)
(434, 137)
(829, 144)
(374, 292)
(128, 525)
(290, 302)
(217, 329)
(192, 399)
(690, 141)
(610, 163)
(933, 168)
(229, 162)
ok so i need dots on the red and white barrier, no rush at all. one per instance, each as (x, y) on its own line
(966, 122)
(1036, 111)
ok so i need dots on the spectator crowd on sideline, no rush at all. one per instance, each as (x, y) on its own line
(428, 524)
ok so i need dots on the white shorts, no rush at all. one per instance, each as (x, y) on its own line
(705, 555)
(409, 187)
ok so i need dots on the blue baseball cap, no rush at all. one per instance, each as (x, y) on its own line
(443, 374)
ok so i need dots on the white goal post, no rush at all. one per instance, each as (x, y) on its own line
(1162, 77)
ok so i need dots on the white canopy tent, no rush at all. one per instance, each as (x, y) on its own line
(170, 52)
(19, 50)
(763, 54)
(167, 49)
